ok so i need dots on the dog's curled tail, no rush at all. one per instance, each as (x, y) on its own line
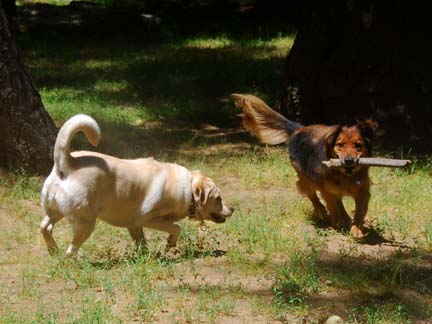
(261, 121)
(78, 123)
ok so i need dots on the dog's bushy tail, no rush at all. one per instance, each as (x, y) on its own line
(261, 121)
(78, 123)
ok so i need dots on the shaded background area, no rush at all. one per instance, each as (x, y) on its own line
(166, 84)
(357, 59)
(350, 59)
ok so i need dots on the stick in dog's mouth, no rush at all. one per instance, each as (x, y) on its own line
(381, 162)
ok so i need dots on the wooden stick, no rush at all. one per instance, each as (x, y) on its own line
(382, 162)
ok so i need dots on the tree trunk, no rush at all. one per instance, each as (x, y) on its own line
(356, 59)
(27, 132)
(9, 7)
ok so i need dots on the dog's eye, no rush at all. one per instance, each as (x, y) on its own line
(358, 145)
(340, 144)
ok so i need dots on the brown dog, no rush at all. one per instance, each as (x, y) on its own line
(308, 146)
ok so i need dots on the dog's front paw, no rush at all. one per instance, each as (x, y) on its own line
(356, 232)
(172, 241)
(171, 252)
(54, 250)
(320, 213)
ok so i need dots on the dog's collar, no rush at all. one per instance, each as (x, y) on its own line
(194, 210)
(194, 214)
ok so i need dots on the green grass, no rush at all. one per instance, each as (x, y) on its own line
(152, 94)
(133, 80)
(268, 237)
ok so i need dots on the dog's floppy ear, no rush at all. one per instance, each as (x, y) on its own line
(200, 188)
(369, 130)
(331, 137)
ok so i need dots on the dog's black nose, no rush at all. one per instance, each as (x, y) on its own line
(349, 161)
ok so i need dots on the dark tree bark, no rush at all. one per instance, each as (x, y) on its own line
(9, 7)
(27, 132)
(356, 59)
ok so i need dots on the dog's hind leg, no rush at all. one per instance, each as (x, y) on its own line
(46, 228)
(319, 209)
(345, 218)
(137, 235)
(338, 216)
(310, 192)
(82, 231)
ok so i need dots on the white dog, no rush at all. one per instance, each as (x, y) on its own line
(84, 186)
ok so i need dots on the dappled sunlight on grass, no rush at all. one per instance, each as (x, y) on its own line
(110, 86)
(400, 203)
(261, 48)
(283, 42)
(65, 103)
(207, 42)
(176, 78)
(99, 64)
(224, 41)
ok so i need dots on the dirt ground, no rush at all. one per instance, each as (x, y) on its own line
(216, 272)
(211, 271)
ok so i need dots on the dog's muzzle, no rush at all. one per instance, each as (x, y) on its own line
(217, 218)
(349, 162)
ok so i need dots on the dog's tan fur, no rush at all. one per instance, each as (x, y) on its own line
(84, 186)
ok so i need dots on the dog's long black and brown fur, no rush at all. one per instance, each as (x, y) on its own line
(308, 146)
